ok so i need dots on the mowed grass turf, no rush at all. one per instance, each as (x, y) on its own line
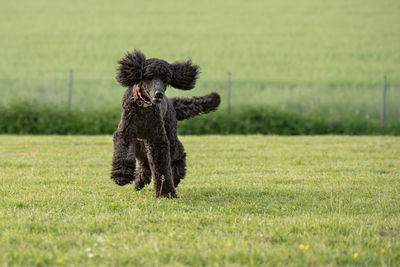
(246, 200)
(325, 56)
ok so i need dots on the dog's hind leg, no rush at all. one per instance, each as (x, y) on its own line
(142, 175)
(123, 162)
(143, 172)
(178, 163)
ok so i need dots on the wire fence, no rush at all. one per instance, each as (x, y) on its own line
(377, 101)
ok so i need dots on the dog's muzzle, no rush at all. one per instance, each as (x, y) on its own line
(158, 96)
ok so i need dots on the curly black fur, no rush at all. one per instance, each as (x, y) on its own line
(148, 134)
(130, 70)
(187, 108)
(157, 67)
(184, 75)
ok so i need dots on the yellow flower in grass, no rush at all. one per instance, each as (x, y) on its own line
(304, 247)
(228, 244)
(283, 209)
(59, 260)
(355, 256)
(112, 204)
(38, 259)
(383, 250)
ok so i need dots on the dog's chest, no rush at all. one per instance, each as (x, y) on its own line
(147, 122)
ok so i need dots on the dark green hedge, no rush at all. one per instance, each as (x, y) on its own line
(32, 118)
(265, 120)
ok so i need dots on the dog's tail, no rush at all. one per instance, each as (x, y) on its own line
(187, 108)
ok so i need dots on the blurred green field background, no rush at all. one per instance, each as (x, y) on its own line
(310, 56)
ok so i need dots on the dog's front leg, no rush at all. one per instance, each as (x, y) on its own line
(123, 162)
(158, 154)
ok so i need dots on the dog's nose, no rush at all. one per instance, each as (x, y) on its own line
(159, 94)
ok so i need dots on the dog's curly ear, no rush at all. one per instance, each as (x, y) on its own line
(184, 75)
(130, 69)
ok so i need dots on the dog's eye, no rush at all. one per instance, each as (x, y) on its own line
(166, 81)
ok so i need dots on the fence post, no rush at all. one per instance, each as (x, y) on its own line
(228, 105)
(383, 106)
(69, 90)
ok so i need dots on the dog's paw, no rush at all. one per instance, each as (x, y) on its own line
(168, 195)
(121, 181)
(139, 185)
(142, 178)
(122, 176)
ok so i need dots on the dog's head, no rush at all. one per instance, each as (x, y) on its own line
(154, 75)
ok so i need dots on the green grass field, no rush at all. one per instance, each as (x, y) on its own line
(246, 200)
(310, 55)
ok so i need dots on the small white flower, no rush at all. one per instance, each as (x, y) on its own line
(88, 249)
(90, 255)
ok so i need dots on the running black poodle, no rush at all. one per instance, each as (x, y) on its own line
(148, 127)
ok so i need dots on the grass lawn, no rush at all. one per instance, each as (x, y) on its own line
(246, 200)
